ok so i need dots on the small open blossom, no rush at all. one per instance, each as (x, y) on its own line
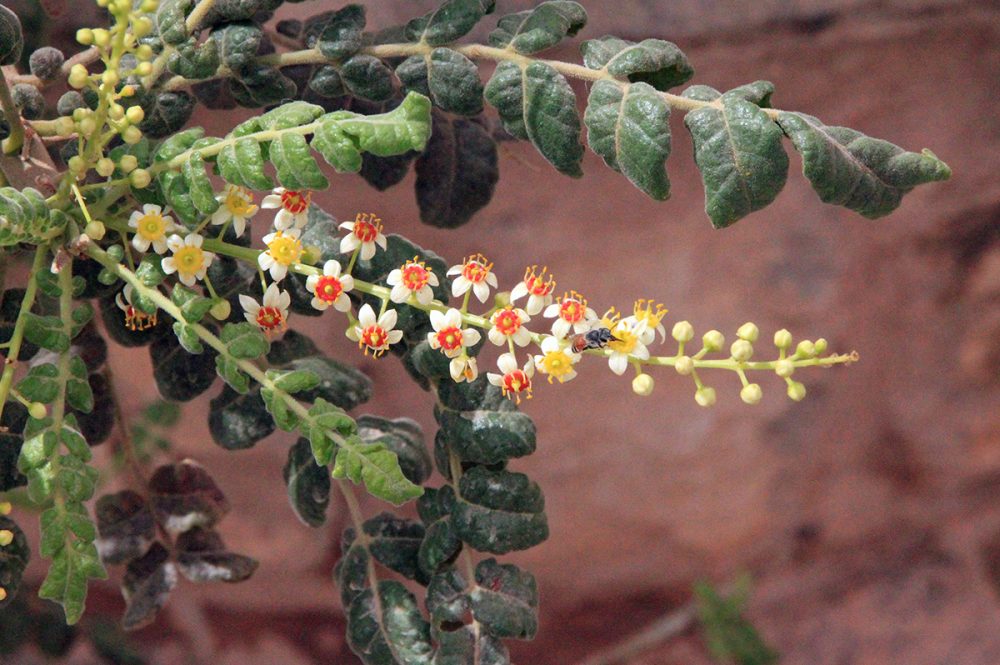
(513, 380)
(508, 323)
(571, 312)
(364, 232)
(330, 288)
(474, 273)
(237, 205)
(152, 227)
(463, 368)
(628, 344)
(537, 288)
(375, 335)
(271, 315)
(413, 278)
(189, 260)
(283, 249)
(135, 318)
(448, 334)
(556, 361)
(652, 313)
(293, 204)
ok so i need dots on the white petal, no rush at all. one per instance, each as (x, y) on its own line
(395, 277)
(265, 260)
(454, 270)
(424, 295)
(311, 281)
(432, 279)
(388, 319)
(495, 379)
(497, 337)
(456, 367)
(168, 265)
(271, 296)
(535, 304)
(284, 220)
(331, 268)
(491, 279)
(346, 283)
(239, 225)
(193, 240)
(470, 336)
(550, 344)
(284, 300)
(460, 286)
(437, 319)
(394, 336)
(641, 352)
(249, 304)
(160, 245)
(134, 218)
(507, 363)
(618, 363)
(151, 209)
(348, 244)
(346, 225)
(319, 304)
(367, 250)
(271, 201)
(141, 244)
(399, 294)
(366, 316)
(453, 318)
(278, 271)
(381, 241)
(187, 280)
(482, 291)
(550, 311)
(342, 303)
(522, 337)
(175, 242)
(567, 376)
(560, 328)
(518, 291)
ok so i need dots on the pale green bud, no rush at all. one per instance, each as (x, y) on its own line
(741, 350)
(132, 135)
(78, 76)
(77, 164)
(783, 339)
(748, 331)
(784, 368)
(85, 36)
(705, 396)
(713, 340)
(820, 346)
(643, 385)
(796, 391)
(6, 537)
(37, 410)
(95, 230)
(221, 310)
(105, 167)
(135, 114)
(128, 163)
(102, 37)
(683, 331)
(751, 393)
(684, 365)
(139, 178)
(805, 349)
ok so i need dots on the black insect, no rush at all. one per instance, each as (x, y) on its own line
(597, 338)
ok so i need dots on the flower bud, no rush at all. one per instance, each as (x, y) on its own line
(3, 594)
(110, 78)
(135, 114)
(144, 69)
(220, 310)
(684, 365)
(713, 340)
(77, 164)
(751, 393)
(805, 349)
(81, 112)
(105, 167)
(820, 346)
(741, 350)
(796, 391)
(116, 112)
(683, 331)
(149, 6)
(144, 52)
(784, 368)
(85, 36)
(783, 339)
(102, 37)
(642, 385)
(37, 410)
(46, 62)
(501, 299)
(65, 126)
(132, 135)
(78, 76)
(139, 178)
(142, 26)
(128, 163)
(95, 229)
(87, 125)
(28, 100)
(6, 537)
(748, 331)
(127, 91)
(5, 508)
(705, 396)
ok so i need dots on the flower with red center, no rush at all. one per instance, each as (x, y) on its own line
(536, 287)
(364, 232)
(508, 324)
(571, 312)
(413, 278)
(330, 288)
(293, 204)
(448, 334)
(374, 335)
(135, 318)
(513, 381)
(474, 273)
(271, 315)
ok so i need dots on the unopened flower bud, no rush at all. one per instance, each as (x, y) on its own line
(144, 69)
(105, 167)
(110, 78)
(80, 112)
(783, 339)
(144, 52)
(77, 164)
(741, 350)
(683, 331)
(128, 163)
(705, 396)
(311, 254)
(5, 508)
(127, 91)
(784, 368)
(116, 111)
(37, 410)
(87, 125)
(101, 37)
(6, 537)
(220, 310)
(820, 346)
(95, 229)
(684, 365)
(46, 62)
(65, 126)
(142, 26)
(796, 391)
(713, 340)
(751, 393)
(139, 178)
(748, 331)
(643, 385)
(85, 36)
(805, 349)
(135, 114)
(149, 6)
(132, 135)
(501, 299)
(78, 76)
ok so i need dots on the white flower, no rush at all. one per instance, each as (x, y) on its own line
(474, 273)
(513, 380)
(448, 334)
(237, 205)
(628, 345)
(375, 335)
(365, 232)
(571, 312)
(652, 313)
(556, 361)
(463, 368)
(151, 228)
(271, 315)
(330, 288)
(412, 278)
(294, 207)
(189, 261)
(537, 288)
(283, 249)
(508, 323)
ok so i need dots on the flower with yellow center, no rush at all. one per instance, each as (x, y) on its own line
(330, 288)
(293, 204)
(237, 206)
(629, 333)
(412, 278)
(556, 361)
(152, 227)
(474, 273)
(571, 312)
(189, 260)
(283, 249)
(652, 313)
(270, 315)
(374, 335)
(364, 232)
(513, 381)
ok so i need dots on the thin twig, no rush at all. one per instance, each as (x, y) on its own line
(665, 628)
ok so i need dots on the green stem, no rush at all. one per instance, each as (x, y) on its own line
(15, 139)
(17, 337)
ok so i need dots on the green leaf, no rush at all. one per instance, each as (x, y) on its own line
(244, 340)
(487, 437)
(66, 582)
(377, 467)
(184, 495)
(294, 381)
(324, 419)
(260, 84)
(440, 545)
(295, 165)
(394, 542)
(177, 144)
(537, 103)
(403, 636)
(292, 346)
(326, 82)
(150, 270)
(867, 175)
(230, 372)
(457, 173)
(200, 187)
(337, 34)
(540, 28)
(654, 61)
(78, 393)
(170, 17)
(146, 585)
(237, 44)
(11, 441)
(738, 150)
(11, 37)
(241, 163)
(630, 129)
(367, 77)
(292, 114)
(277, 406)
(728, 634)
(236, 421)
(178, 196)
(41, 384)
(499, 511)
(470, 645)
(46, 332)
(505, 599)
(179, 375)
(13, 560)
(193, 305)
(203, 557)
(406, 127)
(166, 113)
(338, 148)
(195, 61)
(126, 527)
(451, 20)
(402, 436)
(453, 81)
(308, 484)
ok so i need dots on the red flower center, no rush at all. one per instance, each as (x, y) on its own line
(294, 201)
(328, 288)
(571, 310)
(539, 287)
(475, 272)
(270, 318)
(415, 276)
(450, 338)
(374, 337)
(516, 381)
(365, 231)
(507, 321)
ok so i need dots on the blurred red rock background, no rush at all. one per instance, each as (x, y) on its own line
(868, 515)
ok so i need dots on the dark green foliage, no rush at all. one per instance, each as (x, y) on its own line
(451, 20)
(195, 61)
(394, 543)
(166, 112)
(308, 484)
(170, 17)
(336, 34)
(399, 634)
(180, 375)
(487, 437)
(147, 584)
(126, 527)
(203, 557)
(404, 438)
(448, 77)
(499, 511)
(540, 28)
(11, 37)
(654, 61)
(237, 44)
(14, 417)
(113, 319)
(238, 421)
(184, 495)
(260, 85)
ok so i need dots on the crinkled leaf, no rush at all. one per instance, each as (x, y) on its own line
(295, 164)
(292, 346)
(402, 436)
(487, 437)
(126, 527)
(238, 421)
(244, 340)
(394, 542)
(178, 196)
(146, 586)
(377, 467)
(499, 511)
(230, 372)
(11, 37)
(195, 61)
(367, 77)
(277, 406)
(336, 34)
(406, 127)
(193, 305)
(738, 150)
(179, 375)
(654, 61)
(453, 81)
(447, 600)
(40, 384)
(457, 173)
(150, 270)
(96, 425)
(397, 634)
(351, 571)
(78, 393)
(237, 44)
(326, 82)
(539, 28)
(308, 484)
(199, 186)
(46, 332)
(440, 546)
(202, 557)
(451, 20)
(327, 423)
(260, 84)
(170, 15)
(294, 381)
(166, 112)
(470, 646)
(13, 559)
(66, 581)
(338, 148)
(292, 114)
(867, 175)
(184, 495)
(505, 599)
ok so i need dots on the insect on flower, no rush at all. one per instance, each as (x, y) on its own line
(597, 338)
